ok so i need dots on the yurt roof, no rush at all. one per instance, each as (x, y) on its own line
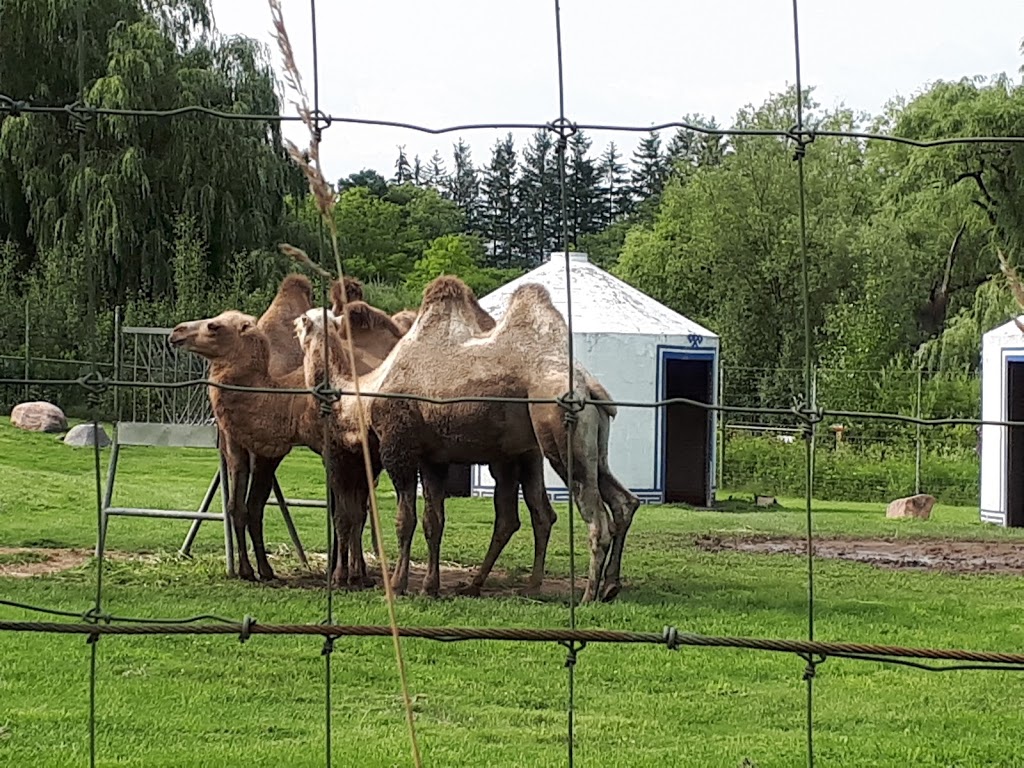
(601, 302)
(1007, 330)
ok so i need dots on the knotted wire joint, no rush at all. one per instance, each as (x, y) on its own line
(321, 122)
(94, 617)
(812, 664)
(95, 386)
(12, 107)
(670, 635)
(573, 406)
(326, 396)
(801, 137)
(809, 416)
(572, 648)
(80, 115)
(564, 128)
(247, 624)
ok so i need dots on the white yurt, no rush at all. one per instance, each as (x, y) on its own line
(641, 351)
(1002, 448)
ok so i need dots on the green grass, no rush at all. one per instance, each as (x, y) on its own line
(209, 701)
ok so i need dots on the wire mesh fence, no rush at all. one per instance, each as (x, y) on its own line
(823, 411)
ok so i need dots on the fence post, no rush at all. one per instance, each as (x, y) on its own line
(28, 338)
(917, 448)
(720, 464)
(117, 362)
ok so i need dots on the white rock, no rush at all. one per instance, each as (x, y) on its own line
(82, 435)
(919, 506)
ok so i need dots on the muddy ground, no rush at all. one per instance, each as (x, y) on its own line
(922, 554)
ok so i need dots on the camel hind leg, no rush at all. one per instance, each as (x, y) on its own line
(433, 477)
(623, 505)
(542, 515)
(553, 434)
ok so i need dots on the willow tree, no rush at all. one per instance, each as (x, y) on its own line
(140, 174)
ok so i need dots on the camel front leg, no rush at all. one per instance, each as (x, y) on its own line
(506, 521)
(433, 476)
(237, 460)
(341, 522)
(262, 482)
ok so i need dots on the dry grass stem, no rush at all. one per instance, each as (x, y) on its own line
(1014, 281)
(324, 195)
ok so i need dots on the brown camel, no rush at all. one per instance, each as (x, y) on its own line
(294, 297)
(524, 356)
(622, 503)
(264, 426)
(527, 469)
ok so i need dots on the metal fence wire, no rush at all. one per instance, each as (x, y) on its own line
(803, 413)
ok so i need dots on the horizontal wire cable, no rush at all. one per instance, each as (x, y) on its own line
(14, 107)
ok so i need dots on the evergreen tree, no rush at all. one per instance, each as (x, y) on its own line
(418, 172)
(500, 203)
(613, 187)
(539, 200)
(436, 175)
(651, 168)
(689, 149)
(463, 186)
(403, 171)
(582, 187)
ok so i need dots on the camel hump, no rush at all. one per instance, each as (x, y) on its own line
(297, 284)
(348, 288)
(362, 315)
(446, 288)
(530, 306)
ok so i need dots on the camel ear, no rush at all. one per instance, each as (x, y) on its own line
(245, 326)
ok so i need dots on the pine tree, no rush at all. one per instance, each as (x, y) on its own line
(437, 175)
(463, 186)
(500, 203)
(689, 149)
(613, 188)
(651, 168)
(403, 172)
(539, 200)
(417, 171)
(582, 188)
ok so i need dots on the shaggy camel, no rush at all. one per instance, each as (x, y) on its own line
(524, 356)
(265, 426)
(622, 503)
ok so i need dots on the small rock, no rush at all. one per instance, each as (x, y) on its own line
(39, 416)
(919, 506)
(765, 501)
(82, 435)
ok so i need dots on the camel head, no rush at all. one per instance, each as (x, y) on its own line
(230, 336)
(312, 335)
(351, 288)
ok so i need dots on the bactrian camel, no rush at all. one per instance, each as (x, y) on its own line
(523, 356)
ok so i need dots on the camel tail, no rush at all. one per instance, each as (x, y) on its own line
(596, 391)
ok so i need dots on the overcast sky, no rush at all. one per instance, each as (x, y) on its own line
(639, 62)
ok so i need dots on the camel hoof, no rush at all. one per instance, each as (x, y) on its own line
(267, 574)
(610, 592)
(530, 590)
(588, 596)
(369, 582)
(431, 590)
(246, 574)
(469, 590)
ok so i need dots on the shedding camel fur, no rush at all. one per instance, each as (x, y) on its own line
(524, 355)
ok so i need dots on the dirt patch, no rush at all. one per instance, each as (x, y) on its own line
(454, 577)
(23, 562)
(921, 554)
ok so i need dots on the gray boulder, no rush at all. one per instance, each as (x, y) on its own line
(39, 416)
(83, 435)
